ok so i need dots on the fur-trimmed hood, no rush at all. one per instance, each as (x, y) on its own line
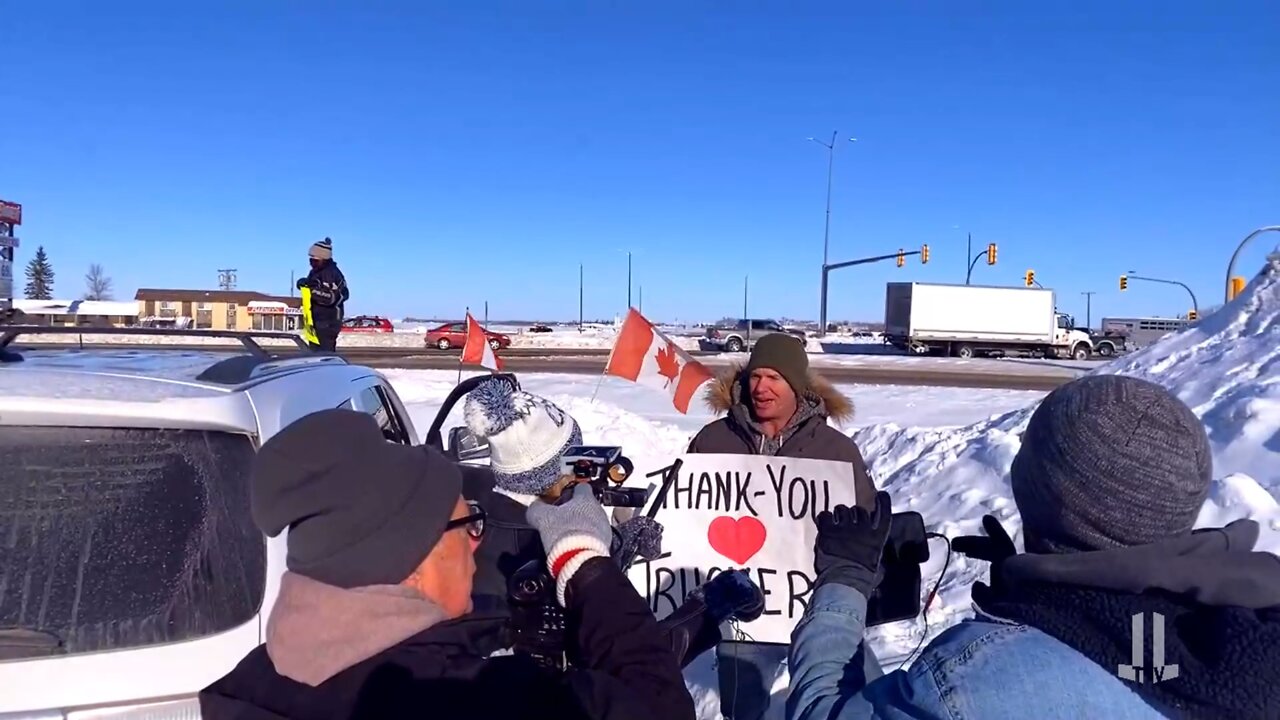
(725, 390)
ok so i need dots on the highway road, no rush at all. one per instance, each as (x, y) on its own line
(591, 361)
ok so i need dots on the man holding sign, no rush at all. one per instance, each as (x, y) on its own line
(776, 407)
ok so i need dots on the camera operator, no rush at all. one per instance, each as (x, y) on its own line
(375, 620)
(1109, 483)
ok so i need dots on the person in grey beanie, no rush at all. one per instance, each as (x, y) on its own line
(1120, 608)
(374, 617)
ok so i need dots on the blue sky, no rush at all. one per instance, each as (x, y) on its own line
(466, 152)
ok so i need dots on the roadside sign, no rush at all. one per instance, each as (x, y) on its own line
(10, 212)
(6, 279)
(8, 242)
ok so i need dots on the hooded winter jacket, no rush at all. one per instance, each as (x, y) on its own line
(387, 652)
(1054, 634)
(807, 435)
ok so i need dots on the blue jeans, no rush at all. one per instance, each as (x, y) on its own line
(746, 672)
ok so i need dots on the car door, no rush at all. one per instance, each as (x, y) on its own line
(380, 401)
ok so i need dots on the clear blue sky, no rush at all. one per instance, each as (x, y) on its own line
(469, 151)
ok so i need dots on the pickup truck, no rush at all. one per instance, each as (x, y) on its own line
(743, 334)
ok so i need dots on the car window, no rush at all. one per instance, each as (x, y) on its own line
(117, 538)
(374, 400)
(759, 325)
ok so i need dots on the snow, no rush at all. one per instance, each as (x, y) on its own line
(946, 452)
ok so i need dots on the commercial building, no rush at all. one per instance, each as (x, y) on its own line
(218, 309)
(61, 313)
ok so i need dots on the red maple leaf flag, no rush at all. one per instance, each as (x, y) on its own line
(477, 350)
(642, 354)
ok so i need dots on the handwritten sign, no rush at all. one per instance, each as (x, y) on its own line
(749, 512)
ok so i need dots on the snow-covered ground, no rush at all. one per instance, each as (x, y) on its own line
(946, 453)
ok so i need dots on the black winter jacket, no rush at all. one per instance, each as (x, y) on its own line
(809, 437)
(443, 672)
(329, 295)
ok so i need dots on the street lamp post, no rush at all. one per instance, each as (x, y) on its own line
(1231, 267)
(1194, 305)
(1088, 307)
(826, 232)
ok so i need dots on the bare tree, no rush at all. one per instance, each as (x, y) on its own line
(97, 283)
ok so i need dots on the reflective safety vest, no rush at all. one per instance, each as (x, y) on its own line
(308, 325)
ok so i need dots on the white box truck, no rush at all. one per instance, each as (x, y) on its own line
(969, 320)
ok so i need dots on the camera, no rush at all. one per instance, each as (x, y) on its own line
(897, 597)
(605, 469)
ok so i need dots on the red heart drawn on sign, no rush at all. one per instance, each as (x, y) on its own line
(736, 538)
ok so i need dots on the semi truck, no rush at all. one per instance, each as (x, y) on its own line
(966, 321)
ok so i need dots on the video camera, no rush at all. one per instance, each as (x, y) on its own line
(605, 469)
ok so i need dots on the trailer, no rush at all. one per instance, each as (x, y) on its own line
(966, 321)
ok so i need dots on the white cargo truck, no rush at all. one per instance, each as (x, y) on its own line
(969, 320)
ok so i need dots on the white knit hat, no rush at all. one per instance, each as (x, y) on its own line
(528, 435)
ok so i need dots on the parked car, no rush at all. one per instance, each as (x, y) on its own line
(451, 335)
(743, 334)
(367, 323)
(133, 575)
(540, 328)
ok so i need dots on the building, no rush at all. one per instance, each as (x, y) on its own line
(218, 310)
(62, 313)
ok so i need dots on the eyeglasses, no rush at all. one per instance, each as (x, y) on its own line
(474, 522)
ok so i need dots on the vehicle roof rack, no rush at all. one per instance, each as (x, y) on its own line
(248, 338)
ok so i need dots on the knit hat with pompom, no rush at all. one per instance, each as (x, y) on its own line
(528, 435)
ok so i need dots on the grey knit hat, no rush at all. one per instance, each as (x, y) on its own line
(1110, 461)
(784, 354)
(321, 250)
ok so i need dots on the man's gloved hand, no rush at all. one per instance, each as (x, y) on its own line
(303, 282)
(573, 530)
(995, 547)
(850, 543)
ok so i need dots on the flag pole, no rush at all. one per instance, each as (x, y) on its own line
(465, 321)
(613, 350)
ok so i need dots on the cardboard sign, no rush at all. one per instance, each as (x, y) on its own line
(749, 512)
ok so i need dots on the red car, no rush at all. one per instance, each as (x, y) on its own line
(367, 323)
(453, 335)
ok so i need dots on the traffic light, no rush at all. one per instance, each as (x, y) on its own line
(924, 255)
(1124, 282)
(1192, 315)
(991, 254)
(1031, 278)
(1237, 286)
(902, 258)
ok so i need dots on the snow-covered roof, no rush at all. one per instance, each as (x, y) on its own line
(77, 307)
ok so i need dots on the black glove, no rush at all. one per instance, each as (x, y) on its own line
(994, 547)
(302, 283)
(850, 544)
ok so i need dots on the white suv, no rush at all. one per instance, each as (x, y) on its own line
(131, 573)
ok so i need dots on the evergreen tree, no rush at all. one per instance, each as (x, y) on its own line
(39, 277)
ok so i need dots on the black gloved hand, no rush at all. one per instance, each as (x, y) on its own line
(302, 283)
(994, 547)
(850, 544)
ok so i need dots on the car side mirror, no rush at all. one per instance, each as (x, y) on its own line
(464, 445)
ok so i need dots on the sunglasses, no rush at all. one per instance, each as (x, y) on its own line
(474, 522)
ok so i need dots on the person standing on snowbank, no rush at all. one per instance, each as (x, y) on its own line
(329, 294)
(1109, 481)
(375, 618)
(774, 406)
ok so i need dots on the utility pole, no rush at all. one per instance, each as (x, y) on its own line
(1088, 308)
(486, 313)
(968, 253)
(629, 305)
(579, 297)
(640, 289)
(745, 280)
(227, 279)
(826, 231)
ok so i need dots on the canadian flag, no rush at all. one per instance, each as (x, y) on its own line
(642, 354)
(478, 351)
